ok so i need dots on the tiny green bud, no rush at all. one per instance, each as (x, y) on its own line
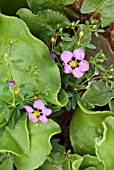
(94, 26)
(102, 60)
(81, 33)
(53, 39)
(92, 21)
(61, 29)
(11, 42)
(111, 69)
(6, 54)
(73, 24)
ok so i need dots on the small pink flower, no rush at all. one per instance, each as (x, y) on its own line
(74, 62)
(11, 83)
(40, 113)
(53, 55)
(61, 168)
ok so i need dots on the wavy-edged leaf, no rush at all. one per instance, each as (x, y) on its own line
(105, 7)
(7, 164)
(85, 127)
(98, 95)
(105, 146)
(50, 163)
(91, 161)
(44, 22)
(44, 76)
(56, 5)
(16, 140)
(40, 146)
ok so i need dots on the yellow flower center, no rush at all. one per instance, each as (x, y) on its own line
(73, 63)
(36, 114)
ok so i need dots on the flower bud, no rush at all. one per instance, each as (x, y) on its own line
(73, 24)
(81, 33)
(94, 26)
(11, 83)
(53, 39)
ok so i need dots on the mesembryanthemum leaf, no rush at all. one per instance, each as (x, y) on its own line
(16, 140)
(44, 23)
(105, 7)
(43, 76)
(7, 163)
(105, 146)
(98, 96)
(85, 127)
(91, 161)
(40, 146)
(56, 5)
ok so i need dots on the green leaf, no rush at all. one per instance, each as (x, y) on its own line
(85, 127)
(44, 76)
(98, 94)
(105, 146)
(7, 114)
(91, 161)
(56, 5)
(7, 164)
(16, 140)
(91, 46)
(105, 7)
(40, 146)
(44, 23)
(49, 164)
(111, 105)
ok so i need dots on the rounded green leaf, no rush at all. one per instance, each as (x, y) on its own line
(98, 93)
(105, 146)
(85, 127)
(7, 164)
(56, 5)
(40, 146)
(44, 23)
(91, 161)
(16, 140)
(36, 69)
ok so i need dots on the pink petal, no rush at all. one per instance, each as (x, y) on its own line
(66, 56)
(67, 68)
(38, 104)
(43, 119)
(46, 111)
(32, 119)
(28, 109)
(77, 73)
(78, 54)
(83, 65)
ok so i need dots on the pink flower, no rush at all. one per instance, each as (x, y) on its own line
(74, 62)
(61, 168)
(53, 55)
(11, 83)
(40, 113)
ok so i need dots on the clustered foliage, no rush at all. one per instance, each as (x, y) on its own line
(53, 62)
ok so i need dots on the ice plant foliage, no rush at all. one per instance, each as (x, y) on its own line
(40, 113)
(74, 62)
